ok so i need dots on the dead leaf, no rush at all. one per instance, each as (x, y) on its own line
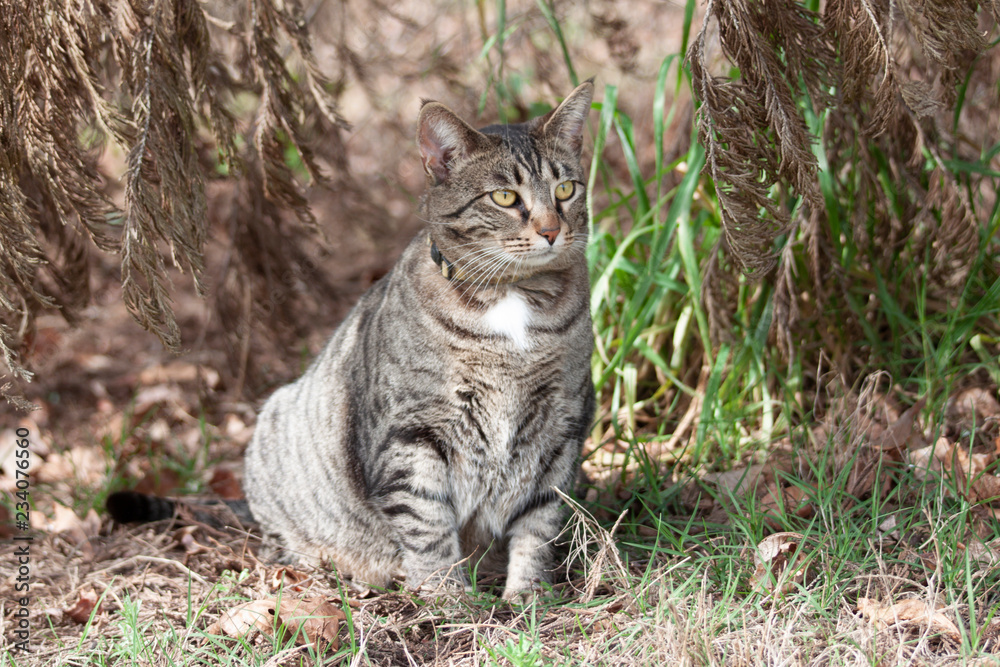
(158, 431)
(968, 470)
(241, 620)
(888, 527)
(908, 612)
(789, 500)
(160, 483)
(225, 485)
(772, 558)
(288, 578)
(184, 537)
(984, 487)
(85, 465)
(310, 620)
(156, 395)
(75, 530)
(973, 405)
(236, 429)
(692, 496)
(647, 531)
(177, 371)
(887, 447)
(739, 480)
(987, 555)
(94, 363)
(81, 611)
(930, 458)
(902, 435)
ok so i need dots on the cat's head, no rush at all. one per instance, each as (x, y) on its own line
(506, 201)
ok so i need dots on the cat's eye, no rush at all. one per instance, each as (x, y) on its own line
(504, 198)
(564, 190)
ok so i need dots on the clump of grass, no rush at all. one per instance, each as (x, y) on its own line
(699, 363)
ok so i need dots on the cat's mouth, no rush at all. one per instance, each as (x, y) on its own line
(537, 257)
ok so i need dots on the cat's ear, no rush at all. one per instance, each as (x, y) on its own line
(565, 123)
(443, 138)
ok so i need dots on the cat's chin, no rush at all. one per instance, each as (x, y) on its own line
(541, 258)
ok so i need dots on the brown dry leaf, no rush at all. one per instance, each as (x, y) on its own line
(930, 458)
(85, 465)
(53, 614)
(967, 469)
(77, 531)
(178, 371)
(888, 528)
(160, 483)
(908, 612)
(974, 404)
(789, 500)
(771, 563)
(987, 555)
(647, 531)
(225, 485)
(310, 620)
(185, 538)
(236, 429)
(287, 577)
(984, 487)
(887, 447)
(902, 435)
(739, 480)
(239, 621)
(692, 496)
(81, 611)
(160, 394)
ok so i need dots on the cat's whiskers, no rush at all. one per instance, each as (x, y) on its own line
(473, 253)
(471, 261)
(489, 270)
(496, 269)
(482, 267)
(579, 245)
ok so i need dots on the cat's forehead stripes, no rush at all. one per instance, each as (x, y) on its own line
(520, 144)
(523, 146)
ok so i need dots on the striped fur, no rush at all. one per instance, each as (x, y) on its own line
(443, 412)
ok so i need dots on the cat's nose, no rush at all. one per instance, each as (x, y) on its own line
(550, 234)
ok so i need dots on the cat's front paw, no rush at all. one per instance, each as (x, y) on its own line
(523, 592)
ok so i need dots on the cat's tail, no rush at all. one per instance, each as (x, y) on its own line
(134, 507)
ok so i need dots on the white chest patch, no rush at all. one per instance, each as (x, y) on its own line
(510, 317)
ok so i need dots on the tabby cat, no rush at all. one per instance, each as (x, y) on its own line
(455, 396)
